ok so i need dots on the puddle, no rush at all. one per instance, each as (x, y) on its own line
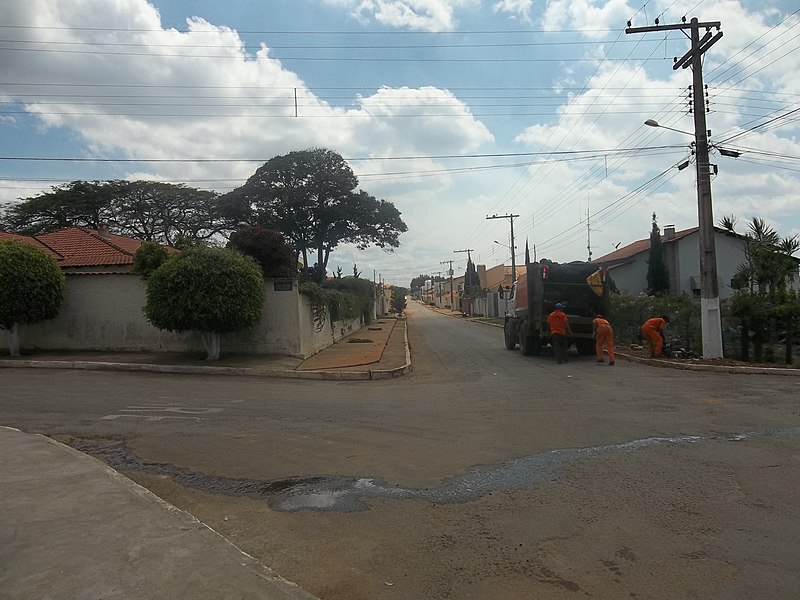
(349, 494)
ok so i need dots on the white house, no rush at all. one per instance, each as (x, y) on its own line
(628, 265)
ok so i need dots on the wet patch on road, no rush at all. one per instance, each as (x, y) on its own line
(349, 494)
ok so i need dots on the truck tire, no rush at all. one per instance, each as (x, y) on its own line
(585, 347)
(509, 336)
(530, 345)
(525, 344)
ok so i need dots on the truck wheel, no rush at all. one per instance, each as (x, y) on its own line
(585, 347)
(527, 344)
(509, 336)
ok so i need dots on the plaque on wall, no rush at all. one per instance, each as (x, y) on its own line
(282, 286)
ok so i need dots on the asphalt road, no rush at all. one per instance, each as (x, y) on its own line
(482, 474)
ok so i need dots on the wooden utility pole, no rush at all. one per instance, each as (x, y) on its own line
(709, 299)
(510, 218)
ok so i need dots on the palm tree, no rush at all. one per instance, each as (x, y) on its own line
(762, 281)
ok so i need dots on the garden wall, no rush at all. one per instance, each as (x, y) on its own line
(103, 311)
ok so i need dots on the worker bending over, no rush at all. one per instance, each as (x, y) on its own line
(604, 336)
(653, 331)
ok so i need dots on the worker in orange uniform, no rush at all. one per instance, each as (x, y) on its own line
(604, 336)
(653, 331)
(559, 329)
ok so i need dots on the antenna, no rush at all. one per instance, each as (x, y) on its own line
(588, 234)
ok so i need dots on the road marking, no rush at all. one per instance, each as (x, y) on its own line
(158, 407)
(148, 417)
(176, 409)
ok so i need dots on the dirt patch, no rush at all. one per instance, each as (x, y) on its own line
(642, 353)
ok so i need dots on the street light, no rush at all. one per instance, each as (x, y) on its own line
(654, 123)
(711, 320)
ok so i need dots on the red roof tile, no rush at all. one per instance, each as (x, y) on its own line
(79, 247)
(32, 241)
(85, 248)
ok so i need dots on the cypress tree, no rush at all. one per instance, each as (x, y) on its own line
(657, 274)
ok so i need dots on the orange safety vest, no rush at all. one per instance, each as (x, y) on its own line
(558, 322)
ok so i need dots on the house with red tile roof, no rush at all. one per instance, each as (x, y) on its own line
(102, 308)
(628, 265)
(88, 250)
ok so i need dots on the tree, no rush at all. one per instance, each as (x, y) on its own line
(472, 283)
(310, 196)
(657, 274)
(170, 214)
(761, 283)
(399, 299)
(419, 281)
(148, 258)
(31, 287)
(76, 204)
(210, 290)
(268, 248)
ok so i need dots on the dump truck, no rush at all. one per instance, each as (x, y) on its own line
(583, 289)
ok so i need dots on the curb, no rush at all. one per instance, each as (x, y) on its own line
(328, 375)
(669, 364)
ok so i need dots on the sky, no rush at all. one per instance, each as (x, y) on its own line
(453, 110)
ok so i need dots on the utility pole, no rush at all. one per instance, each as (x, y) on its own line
(510, 218)
(467, 250)
(709, 299)
(450, 272)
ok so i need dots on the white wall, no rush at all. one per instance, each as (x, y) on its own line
(103, 311)
(631, 277)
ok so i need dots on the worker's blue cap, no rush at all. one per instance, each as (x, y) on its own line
(559, 305)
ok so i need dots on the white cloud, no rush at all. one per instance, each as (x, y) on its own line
(419, 15)
(591, 16)
(222, 102)
(517, 8)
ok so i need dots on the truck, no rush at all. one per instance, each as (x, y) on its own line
(582, 287)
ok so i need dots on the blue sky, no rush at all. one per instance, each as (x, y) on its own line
(451, 109)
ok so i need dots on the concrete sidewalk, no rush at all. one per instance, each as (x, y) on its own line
(72, 527)
(377, 351)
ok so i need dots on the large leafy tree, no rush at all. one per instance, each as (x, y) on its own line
(657, 274)
(210, 290)
(76, 204)
(310, 196)
(268, 248)
(147, 210)
(176, 215)
(31, 287)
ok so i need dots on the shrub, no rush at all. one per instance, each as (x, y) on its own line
(148, 258)
(31, 287)
(211, 290)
